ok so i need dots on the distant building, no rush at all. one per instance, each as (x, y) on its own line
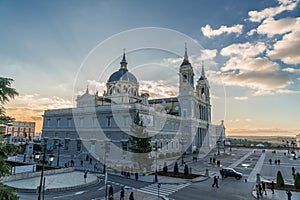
(298, 140)
(176, 124)
(20, 131)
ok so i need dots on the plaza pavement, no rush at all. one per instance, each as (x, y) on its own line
(237, 158)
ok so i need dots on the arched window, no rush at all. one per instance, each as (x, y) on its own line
(184, 77)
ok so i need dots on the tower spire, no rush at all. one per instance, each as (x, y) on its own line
(203, 73)
(123, 62)
(185, 51)
(185, 58)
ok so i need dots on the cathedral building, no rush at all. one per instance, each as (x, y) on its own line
(104, 123)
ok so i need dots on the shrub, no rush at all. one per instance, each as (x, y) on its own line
(175, 171)
(186, 170)
(297, 181)
(279, 180)
(165, 169)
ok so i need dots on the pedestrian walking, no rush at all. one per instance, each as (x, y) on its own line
(260, 189)
(278, 161)
(91, 161)
(85, 176)
(289, 195)
(131, 196)
(210, 159)
(272, 187)
(215, 182)
(222, 173)
(257, 191)
(293, 170)
(122, 194)
(270, 161)
(136, 176)
(81, 163)
(111, 193)
(263, 185)
(275, 162)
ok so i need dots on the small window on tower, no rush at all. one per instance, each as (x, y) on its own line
(184, 77)
(202, 91)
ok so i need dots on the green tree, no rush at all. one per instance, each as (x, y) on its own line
(279, 179)
(140, 145)
(297, 181)
(176, 170)
(6, 93)
(186, 170)
(165, 168)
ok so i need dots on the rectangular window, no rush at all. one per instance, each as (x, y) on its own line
(57, 122)
(10, 128)
(48, 122)
(69, 122)
(81, 122)
(78, 145)
(95, 122)
(109, 121)
(21, 129)
(184, 113)
(66, 145)
(16, 128)
(124, 148)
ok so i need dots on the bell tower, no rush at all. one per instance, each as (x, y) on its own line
(186, 76)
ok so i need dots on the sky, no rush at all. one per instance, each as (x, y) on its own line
(250, 49)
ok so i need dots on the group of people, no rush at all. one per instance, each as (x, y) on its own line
(277, 162)
(261, 189)
(122, 194)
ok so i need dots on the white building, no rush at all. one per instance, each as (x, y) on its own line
(177, 124)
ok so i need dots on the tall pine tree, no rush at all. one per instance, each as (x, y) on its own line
(140, 145)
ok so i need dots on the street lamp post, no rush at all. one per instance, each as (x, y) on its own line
(218, 144)
(42, 173)
(288, 148)
(156, 148)
(58, 151)
(182, 152)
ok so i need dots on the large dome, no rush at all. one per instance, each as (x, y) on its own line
(122, 75)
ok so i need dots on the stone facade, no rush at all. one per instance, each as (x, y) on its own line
(176, 124)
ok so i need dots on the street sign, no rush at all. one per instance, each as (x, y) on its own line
(158, 185)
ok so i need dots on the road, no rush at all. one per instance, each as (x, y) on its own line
(249, 162)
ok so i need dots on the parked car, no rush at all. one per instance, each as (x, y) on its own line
(229, 172)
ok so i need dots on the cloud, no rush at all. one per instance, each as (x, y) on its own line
(250, 65)
(241, 98)
(251, 32)
(260, 131)
(158, 89)
(209, 32)
(287, 49)
(291, 70)
(207, 54)
(285, 91)
(271, 27)
(284, 5)
(31, 107)
(259, 74)
(244, 49)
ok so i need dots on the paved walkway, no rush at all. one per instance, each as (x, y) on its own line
(278, 195)
(55, 182)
